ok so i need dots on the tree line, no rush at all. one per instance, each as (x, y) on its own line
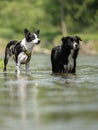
(52, 17)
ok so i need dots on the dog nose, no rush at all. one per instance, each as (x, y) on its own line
(76, 45)
(38, 41)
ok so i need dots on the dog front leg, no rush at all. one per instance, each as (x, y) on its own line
(18, 68)
(74, 68)
(27, 68)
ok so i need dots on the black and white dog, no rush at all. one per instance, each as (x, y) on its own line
(63, 58)
(21, 51)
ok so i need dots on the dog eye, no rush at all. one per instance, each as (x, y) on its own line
(32, 37)
(77, 41)
(71, 39)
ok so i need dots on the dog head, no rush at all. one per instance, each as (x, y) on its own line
(32, 38)
(71, 42)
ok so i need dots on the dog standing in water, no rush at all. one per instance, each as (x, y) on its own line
(21, 51)
(63, 58)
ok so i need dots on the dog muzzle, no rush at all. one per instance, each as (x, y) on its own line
(38, 42)
(75, 46)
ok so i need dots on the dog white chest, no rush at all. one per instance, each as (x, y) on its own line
(70, 64)
(28, 45)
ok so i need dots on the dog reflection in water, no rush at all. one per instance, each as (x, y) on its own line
(22, 91)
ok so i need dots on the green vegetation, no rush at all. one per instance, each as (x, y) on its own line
(54, 18)
(1, 63)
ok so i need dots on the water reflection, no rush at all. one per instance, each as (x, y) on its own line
(19, 91)
(65, 80)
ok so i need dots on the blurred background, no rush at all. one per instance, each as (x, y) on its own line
(54, 18)
(42, 101)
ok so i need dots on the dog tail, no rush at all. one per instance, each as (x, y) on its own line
(10, 47)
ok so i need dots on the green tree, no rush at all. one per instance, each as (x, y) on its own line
(52, 17)
(76, 16)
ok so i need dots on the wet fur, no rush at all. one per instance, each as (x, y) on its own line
(63, 58)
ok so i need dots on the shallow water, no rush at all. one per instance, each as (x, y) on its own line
(42, 101)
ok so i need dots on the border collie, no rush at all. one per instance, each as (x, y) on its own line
(21, 51)
(63, 58)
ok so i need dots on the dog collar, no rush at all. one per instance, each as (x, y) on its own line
(27, 52)
(28, 55)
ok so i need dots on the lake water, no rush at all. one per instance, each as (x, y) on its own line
(41, 101)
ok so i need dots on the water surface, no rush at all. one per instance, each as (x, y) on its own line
(42, 101)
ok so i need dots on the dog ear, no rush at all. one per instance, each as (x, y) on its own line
(26, 31)
(37, 32)
(64, 39)
(78, 38)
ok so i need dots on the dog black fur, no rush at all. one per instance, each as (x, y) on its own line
(21, 51)
(63, 58)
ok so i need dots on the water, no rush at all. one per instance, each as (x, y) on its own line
(42, 101)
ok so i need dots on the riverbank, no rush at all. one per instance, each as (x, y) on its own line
(90, 48)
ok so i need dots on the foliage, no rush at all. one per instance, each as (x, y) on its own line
(1, 64)
(79, 16)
